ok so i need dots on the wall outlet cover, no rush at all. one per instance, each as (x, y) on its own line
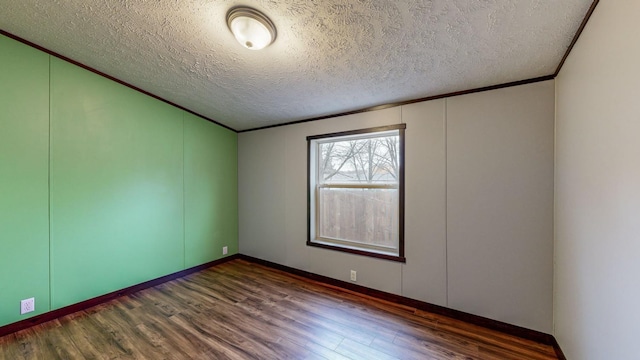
(353, 275)
(225, 250)
(27, 306)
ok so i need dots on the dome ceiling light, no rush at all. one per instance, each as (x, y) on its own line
(251, 28)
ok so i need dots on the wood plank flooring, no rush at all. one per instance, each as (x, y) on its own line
(242, 310)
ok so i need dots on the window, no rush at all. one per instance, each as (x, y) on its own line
(356, 191)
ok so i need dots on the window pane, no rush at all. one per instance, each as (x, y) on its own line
(369, 160)
(367, 216)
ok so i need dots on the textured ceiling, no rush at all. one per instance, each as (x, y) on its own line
(329, 57)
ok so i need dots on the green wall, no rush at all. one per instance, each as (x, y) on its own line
(116, 186)
(24, 178)
(105, 187)
(211, 191)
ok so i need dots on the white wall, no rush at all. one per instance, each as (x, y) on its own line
(597, 284)
(479, 203)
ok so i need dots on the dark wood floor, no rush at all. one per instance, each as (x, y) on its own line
(241, 310)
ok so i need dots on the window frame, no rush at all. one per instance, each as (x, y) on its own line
(312, 194)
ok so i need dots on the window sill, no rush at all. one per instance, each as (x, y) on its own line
(397, 258)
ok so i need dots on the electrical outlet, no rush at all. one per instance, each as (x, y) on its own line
(225, 250)
(27, 305)
(353, 275)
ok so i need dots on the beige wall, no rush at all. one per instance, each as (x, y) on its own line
(500, 204)
(479, 203)
(597, 272)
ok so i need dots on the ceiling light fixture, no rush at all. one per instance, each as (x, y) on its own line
(251, 28)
